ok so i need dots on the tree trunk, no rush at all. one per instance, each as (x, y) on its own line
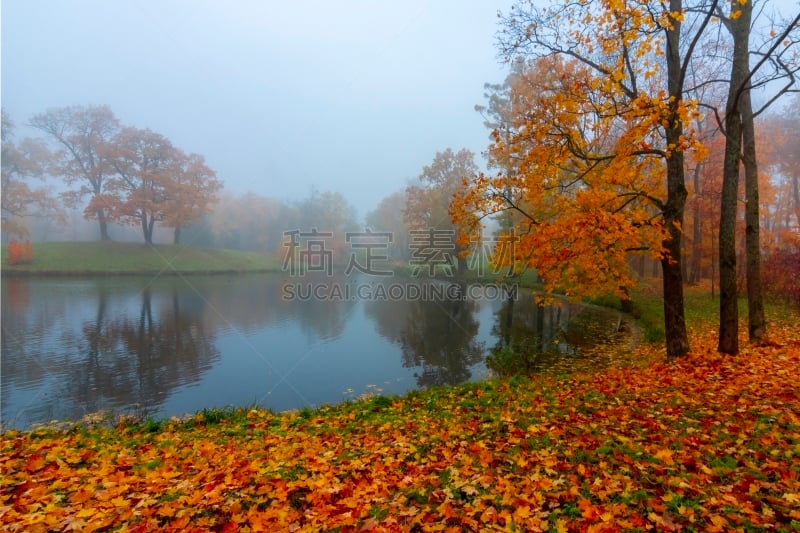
(757, 325)
(671, 263)
(147, 230)
(150, 225)
(728, 296)
(672, 283)
(101, 219)
(462, 266)
(625, 302)
(176, 235)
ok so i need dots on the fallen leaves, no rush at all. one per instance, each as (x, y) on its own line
(707, 442)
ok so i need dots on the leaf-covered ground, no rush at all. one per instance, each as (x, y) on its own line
(706, 443)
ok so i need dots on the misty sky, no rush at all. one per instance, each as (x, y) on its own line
(354, 96)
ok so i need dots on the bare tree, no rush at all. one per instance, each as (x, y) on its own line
(80, 133)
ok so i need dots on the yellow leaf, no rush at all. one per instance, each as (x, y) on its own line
(665, 456)
(86, 512)
(718, 523)
(119, 502)
(522, 512)
(791, 498)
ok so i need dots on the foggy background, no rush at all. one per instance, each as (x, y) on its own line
(280, 97)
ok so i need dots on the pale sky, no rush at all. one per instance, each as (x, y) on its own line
(279, 97)
(346, 95)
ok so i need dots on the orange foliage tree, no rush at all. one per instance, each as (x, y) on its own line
(580, 211)
(606, 129)
(428, 203)
(20, 199)
(81, 133)
(192, 193)
(388, 216)
(130, 175)
(154, 182)
(781, 210)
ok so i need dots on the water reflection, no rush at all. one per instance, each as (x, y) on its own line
(437, 337)
(532, 337)
(175, 345)
(248, 303)
(133, 349)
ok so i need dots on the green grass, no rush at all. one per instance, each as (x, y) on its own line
(79, 258)
(701, 310)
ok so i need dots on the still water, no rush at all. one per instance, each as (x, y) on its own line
(175, 345)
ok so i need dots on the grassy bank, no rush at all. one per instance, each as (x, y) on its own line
(704, 443)
(701, 309)
(84, 258)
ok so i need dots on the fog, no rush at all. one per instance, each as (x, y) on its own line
(286, 100)
(279, 97)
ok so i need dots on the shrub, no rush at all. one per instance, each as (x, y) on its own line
(20, 253)
(780, 275)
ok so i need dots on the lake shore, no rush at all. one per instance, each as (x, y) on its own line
(109, 258)
(707, 442)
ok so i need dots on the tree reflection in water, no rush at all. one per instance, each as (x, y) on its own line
(437, 338)
(560, 337)
(73, 347)
(128, 354)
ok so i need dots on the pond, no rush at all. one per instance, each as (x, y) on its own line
(175, 345)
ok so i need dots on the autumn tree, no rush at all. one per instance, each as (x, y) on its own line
(21, 198)
(616, 126)
(429, 201)
(728, 313)
(81, 134)
(506, 105)
(251, 221)
(564, 203)
(329, 212)
(192, 192)
(154, 181)
(143, 162)
(779, 155)
(388, 216)
(741, 147)
(784, 131)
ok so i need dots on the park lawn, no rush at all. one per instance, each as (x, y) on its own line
(702, 443)
(98, 257)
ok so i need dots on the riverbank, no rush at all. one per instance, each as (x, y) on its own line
(703, 443)
(126, 258)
